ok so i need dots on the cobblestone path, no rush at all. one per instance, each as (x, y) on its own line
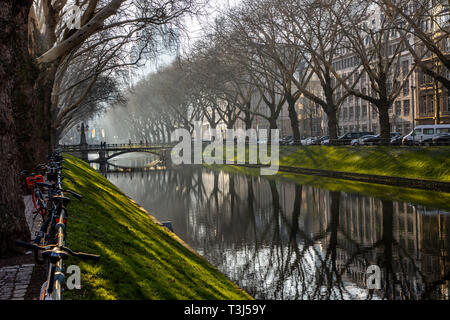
(15, 279)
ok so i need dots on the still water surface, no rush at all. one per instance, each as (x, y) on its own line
(281, 240)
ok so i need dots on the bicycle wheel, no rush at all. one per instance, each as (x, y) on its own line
(44, 295)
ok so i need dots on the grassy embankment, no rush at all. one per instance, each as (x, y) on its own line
(139, 258)
(432, 163)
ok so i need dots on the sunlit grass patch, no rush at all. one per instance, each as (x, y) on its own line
(431, 163)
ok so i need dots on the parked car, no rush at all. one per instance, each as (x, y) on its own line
(438, 139)
(361, 140)
(442, 139)
(373, 139)
(377, 140)
(397, 140)
(307, 141)
(427, 141)
(318, 141)
(423, 133)
(287, 140)
(348, 137)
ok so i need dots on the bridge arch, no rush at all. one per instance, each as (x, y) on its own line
(155, 152)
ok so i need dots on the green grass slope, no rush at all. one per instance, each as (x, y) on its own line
(432, 163)
(139, 258)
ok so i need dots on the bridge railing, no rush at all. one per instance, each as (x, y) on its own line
(96, 147)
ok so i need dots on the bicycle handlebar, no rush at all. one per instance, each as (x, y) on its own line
(76, 195)
(27, 245)
(50, 185)
(81, 255)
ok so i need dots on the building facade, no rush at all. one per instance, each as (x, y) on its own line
(433, 100)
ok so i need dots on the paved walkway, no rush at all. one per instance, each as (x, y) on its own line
(15, 279)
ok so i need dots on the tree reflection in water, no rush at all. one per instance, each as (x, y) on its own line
(280, 240)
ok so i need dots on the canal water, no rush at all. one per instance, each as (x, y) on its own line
(281, 240)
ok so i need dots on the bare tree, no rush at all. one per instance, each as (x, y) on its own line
(429, 23)
(371, 38)
(265, 27)
(314, 28)
(231, 91)
(261, 69)
(44, 46)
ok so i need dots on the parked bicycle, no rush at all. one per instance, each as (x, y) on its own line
(50, 243)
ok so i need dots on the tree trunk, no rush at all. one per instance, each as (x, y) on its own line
(385, 126)
(248, 124)
(36, 135)
(332, 125)
(273, 126)
(13, 51)
(248, 118)
(293, 117)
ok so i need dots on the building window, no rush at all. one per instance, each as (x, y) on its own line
(406, 107)
(406, 88)
(426, 25)
(398, 108)
(431, 107)
(424, 105)
(405, 68)
(364, 111)
(448, 103)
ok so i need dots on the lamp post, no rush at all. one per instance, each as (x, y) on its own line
(83, 129)
(83, 143)
(413, 110)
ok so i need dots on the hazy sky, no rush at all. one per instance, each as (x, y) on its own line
(194, 28)
(195, 25)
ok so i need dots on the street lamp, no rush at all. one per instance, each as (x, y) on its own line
(413, 112)
(83, 129)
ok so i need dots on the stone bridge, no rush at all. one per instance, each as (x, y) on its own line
(109, 151)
